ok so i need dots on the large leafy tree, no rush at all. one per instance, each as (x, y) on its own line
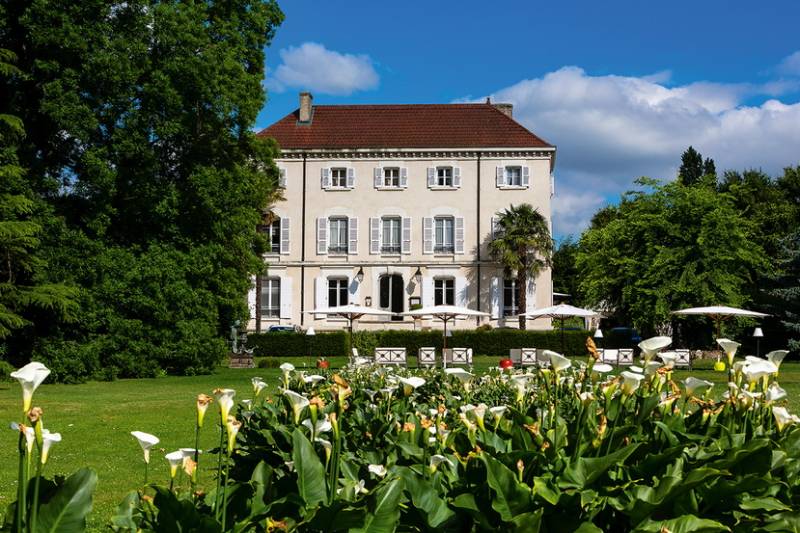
(668, 246)
(566, 276)
(693, 168)
(522, 244)
(787, 290)
(139, 120)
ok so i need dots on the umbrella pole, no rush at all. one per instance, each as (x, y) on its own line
(562, 336)
(351, 337)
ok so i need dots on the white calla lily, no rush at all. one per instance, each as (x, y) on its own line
(758, 370)
(378, 470)
(298, 403)
(669, 359)
(409, 384)
(776, 357)
(48, 439)
(636, 368)
(783, 418)
(631, 382)
(146, 441)
(602, 368)
(498, 411)
(652, 367)
(286, 368)
(30, 377)
(258, 385)
(729, 347)
(650, 347)
(313, 379)
(693, 384)
(557, 361)
(460, 373)
(175, 460)
(775, 393)
(30, 435)
(224, 398)
(323, 425)
(437, 460)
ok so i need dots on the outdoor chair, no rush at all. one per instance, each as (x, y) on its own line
(356, 360)
(390, 356)
(684, 359)
(527, 357)
(515, 354)
(542, 360)
(426, 356)
(456, 356)
(609, 356)
(625, 356)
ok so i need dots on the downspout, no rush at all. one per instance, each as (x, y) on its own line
(303, 249)
(478, 226)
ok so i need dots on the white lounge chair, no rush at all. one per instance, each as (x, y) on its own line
(684, 358)
(609, 356)
(625, 356)
(390, 356)
(542, 360)
(426, 356)
(457, 356)
(356, 360)
(527, 357)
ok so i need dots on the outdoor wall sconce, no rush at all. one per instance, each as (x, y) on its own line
(360, 274)
(418, 276)
(368, 301)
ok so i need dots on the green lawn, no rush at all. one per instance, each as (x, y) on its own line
(95, 420)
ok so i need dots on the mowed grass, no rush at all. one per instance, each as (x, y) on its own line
(95, 420)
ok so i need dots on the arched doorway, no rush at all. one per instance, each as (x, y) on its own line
(390, 290)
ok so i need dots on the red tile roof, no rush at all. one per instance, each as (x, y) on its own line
(403, 126)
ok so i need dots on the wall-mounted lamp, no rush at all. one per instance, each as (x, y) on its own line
(418, 276)
(368, 301)
(360, 274)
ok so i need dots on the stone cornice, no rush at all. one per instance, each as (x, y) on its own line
(419, 154)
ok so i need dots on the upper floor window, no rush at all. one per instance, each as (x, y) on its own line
(444, 230)
(510, 305)
(391, 176)
(337, 243)
(339, 178)
(444, 291)
(273, 231)
(514, 176)
(337, 292)
(270, 297)
(390, 235)
(444, 176)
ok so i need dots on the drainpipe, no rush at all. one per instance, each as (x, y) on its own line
(303, 250)
(478, 225)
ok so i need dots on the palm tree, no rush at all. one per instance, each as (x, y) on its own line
(522, 244)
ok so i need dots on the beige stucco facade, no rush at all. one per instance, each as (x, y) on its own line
(302, 264)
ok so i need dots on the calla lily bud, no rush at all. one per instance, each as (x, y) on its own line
(233, 427)
(258, 385)
(203, 401)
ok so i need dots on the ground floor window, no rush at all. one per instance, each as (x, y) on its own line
(337, 292)
(444, 291)
(270, 297)
(510, 304)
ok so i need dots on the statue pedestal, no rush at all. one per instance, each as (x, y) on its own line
(241, 360)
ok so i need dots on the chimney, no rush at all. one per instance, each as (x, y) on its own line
(306, 107)
(507, 109)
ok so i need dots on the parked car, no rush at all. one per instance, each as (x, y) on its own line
(282, 327)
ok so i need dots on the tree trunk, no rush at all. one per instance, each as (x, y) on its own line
(522, 295)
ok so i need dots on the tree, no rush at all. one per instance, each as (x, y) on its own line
(693, 168)
(522, 244)
(565, 269)
(788, 289)
(22, 289)
(139, 120)
(673, 247)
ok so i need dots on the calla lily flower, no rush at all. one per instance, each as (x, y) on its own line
(775, 393)
(602, 368)
(146, 441)
(783, 418)
(557, 361)
(378, 470)
(693, 384)
(175, 460)
(203, 401)
(669, 359)
(47, 440)
(247, 404)
(258, 385)
(759, 370)
(729, 347)
(327, 446)
(637, 369)
(30, 435)
(437, 459)
(776, 357)
(233, 426)
(498, 411)
(286, 368)
(631, 382)
(313, 379)
(298, 403)
(30, 377)
(460, 373)
(321, 426)
(586, 397)
(409, 384)
(650, 347)
(651, 367)
(225, 400)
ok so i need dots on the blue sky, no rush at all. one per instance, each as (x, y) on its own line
(620, 87)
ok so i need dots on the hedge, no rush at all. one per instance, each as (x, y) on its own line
(495, 342)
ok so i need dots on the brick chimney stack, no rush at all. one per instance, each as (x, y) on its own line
(306, 107)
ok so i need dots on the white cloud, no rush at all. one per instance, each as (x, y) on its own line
(612, 129)
(790, 64)
(313, 67)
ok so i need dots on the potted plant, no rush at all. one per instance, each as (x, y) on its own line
(506, 363)
(323, 363)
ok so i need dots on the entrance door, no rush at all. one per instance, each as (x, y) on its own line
(391, 294)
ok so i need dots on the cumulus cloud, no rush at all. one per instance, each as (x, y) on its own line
(612, 129)
(313, 67)
(790, 64)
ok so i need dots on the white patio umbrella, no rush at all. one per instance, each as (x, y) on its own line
(718, 313)
(351, 312)
(445, 313)
(561, 312)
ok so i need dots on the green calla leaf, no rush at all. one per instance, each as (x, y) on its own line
(310, 471)
(684, 524)
(385, 513)
(512, 498)
(67, 509)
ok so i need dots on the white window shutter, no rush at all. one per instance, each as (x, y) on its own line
(431, 176)
(320, 293)
(326, 178)
(457, 177)
(530, 296)
(501, 176)
(526, 176)
(495, 295)
(459, 235)
(286, 297)
(427, 291)
(285, 233)
(406, 231)
(461, 291)
(377, 177)
(403, 177)
(282, 178)
(374, 235)
(493, 227)
(322, 236)
(251, 298)
(352, 244)
(351, 177)
(427, 235)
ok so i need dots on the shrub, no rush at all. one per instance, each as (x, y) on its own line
(290, 343)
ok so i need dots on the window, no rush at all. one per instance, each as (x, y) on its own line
(391, 177)
(339, 178)
(444, 291)
(337, 292)
(270, 297)
(273, 233)
(390, 241)
(444, 235)
(514, 176)
(444, 176)
(338, 235)
(510, 305)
